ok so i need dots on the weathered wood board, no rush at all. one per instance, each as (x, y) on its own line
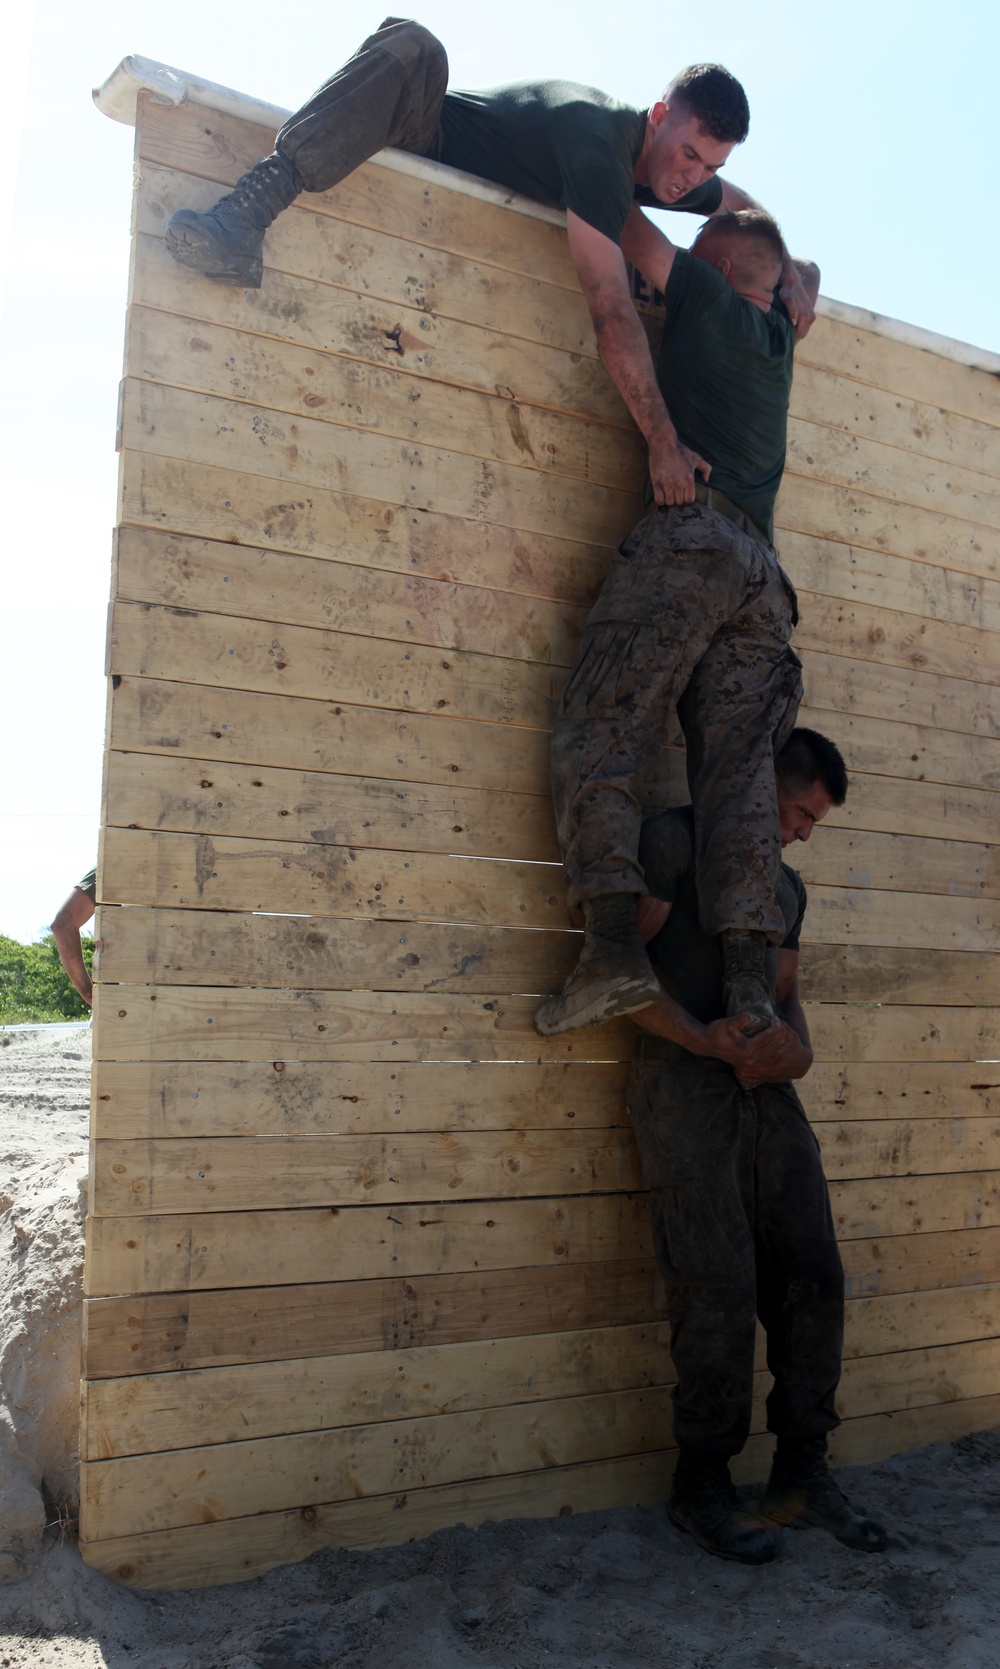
(365, 1255)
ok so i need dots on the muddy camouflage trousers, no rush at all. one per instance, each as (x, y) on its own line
(742, 1229)
(698, 614)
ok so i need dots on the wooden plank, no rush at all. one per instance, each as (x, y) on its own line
(871, 973)
(233, 364)
(885, 637)
(263, 1248)
(277, 1171)
(156, 1334)
(266, 1173)
(237, 1549)
(134, 1495)
(329, 666)
(199, 873)
(920, 1320)
(892, 473)
(898, 862)
(182, 947)
(139, 1415)
(242, 508)
(924, 1090)
(140, 1493)
(912, 1205)
(200, 1252)
(138, 1100)
(911, 1263)
(221, 148)
(939, 810)
(208, 1023)
(884, 748)
(260, 802)
(334, 665)
(396, 268)
(867, 357)
(197, 428)
(257, 584)
(157, 716)
(849, 516)
(241, 1548)
(917, 1147)
(151, 1335)
(918, 1378)
(851, 915)
(944, 705)
(878, 579)
(922, 428)
(399, 335)
(316, 664)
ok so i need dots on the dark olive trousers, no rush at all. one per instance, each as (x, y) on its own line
(696, 614)
(389, 93)
(742, 1230)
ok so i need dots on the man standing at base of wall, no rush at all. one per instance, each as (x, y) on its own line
(742, 1226)
(554, 141)
(696, 613)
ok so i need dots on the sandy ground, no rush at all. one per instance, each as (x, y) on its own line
(619, 1588)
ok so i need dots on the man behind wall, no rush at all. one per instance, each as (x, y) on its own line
(695, 612)
(742, 1226)
(554, 141)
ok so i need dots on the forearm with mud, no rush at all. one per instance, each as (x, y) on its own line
(666, 1018)
(624, 351)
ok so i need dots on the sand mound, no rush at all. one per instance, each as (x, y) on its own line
(44, 1099)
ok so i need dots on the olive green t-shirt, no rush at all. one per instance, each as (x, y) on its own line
(558, 143)
(89, 885)
(725, 369)
(688, 961)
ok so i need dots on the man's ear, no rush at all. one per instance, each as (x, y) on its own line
(724, 265)
(658, 113)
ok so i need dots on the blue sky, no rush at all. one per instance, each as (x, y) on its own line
(872, 140)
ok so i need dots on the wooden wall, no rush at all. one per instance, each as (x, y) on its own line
(365, 1256)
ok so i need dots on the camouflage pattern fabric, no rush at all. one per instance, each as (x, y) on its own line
(695, 613)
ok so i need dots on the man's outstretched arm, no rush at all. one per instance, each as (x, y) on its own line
(624, 350)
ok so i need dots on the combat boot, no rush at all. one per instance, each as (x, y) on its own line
(227, 242)
(745, 988)
(613, 975)
(704, 1504)
(800, 1490)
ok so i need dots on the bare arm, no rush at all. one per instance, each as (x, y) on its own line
(624, 350)
(74, 914)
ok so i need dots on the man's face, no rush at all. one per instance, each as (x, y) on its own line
(678, 155)
(800, 809)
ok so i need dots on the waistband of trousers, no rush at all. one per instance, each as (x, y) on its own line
(713, 499)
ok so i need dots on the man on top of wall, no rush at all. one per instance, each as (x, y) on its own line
(742, 1226)
(553, 141)
(696, 612)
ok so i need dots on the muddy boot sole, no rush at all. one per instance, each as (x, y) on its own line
(196, 242)
(609, 981)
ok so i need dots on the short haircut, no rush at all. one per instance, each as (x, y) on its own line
(754, 229)
(715, 99)
(809, 757)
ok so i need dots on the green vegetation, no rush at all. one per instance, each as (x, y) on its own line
(33, 985)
